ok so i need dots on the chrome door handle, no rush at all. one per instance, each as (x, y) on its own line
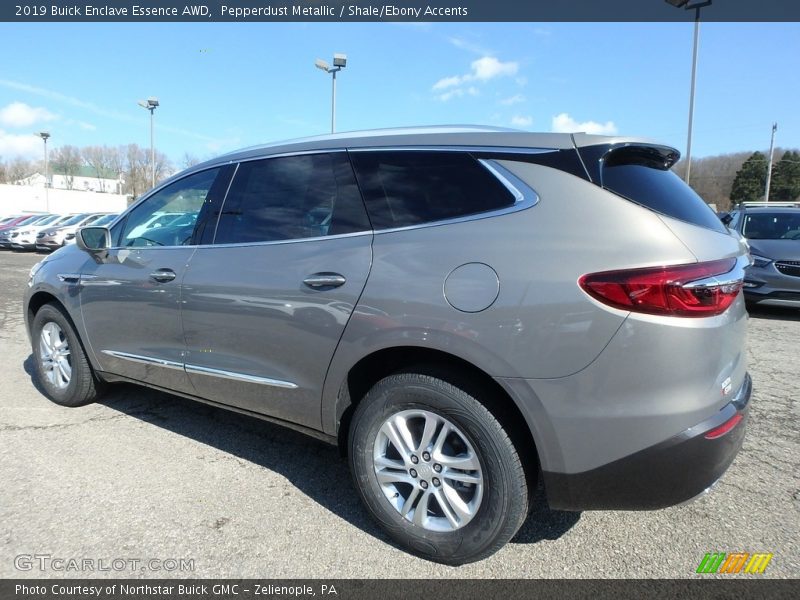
(163, 275)
(323, 280)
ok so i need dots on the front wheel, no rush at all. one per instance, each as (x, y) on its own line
(436, 468)
(61, 364)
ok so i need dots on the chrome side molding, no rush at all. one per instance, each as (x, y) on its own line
(198, 370)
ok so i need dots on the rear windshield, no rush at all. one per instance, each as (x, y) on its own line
(643, 175)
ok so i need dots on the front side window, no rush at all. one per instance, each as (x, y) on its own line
(168, 217)
(292, 197)
(403, 188)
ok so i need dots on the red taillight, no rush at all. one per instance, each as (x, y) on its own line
(680, 291)
(724, 428)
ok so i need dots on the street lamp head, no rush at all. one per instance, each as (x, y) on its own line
(44, 135)
(689, 4)
(340, 60)
(150, 104)
(321, 64)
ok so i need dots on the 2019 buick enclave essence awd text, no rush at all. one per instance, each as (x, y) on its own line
(463, 310)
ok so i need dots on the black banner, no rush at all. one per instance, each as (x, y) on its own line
(400, 10)
(354, 589)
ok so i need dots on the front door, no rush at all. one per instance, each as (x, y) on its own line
(131, 299)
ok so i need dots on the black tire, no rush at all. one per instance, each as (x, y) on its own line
(83, 386)
(503, 504)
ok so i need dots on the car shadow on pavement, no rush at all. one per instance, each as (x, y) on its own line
(314, 467)
(775, 313)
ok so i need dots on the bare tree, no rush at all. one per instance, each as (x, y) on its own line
(164, 167)
(137, 179)
(98, 158)
(20, 168)
(189, 160)
(67, 161)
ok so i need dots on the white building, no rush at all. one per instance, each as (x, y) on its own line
(83, 181)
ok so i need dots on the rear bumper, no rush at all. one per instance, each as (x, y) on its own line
(666, 474)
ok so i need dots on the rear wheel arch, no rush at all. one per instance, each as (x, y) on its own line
(454, 370)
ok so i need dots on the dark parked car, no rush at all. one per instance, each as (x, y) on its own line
(773, 232)
(462, 311)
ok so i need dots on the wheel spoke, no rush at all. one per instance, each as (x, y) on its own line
(431, 423)
(381, 462)
(409, 503)
(461, 476)
(386, 477)
(396, 437)
(455, 502)
(444, 504)
(421, 512)
(65, 370)
(464, 463)
(44, 349)
(440, 439)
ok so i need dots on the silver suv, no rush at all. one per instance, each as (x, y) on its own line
(464, 311)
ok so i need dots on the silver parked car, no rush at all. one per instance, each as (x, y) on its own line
(52, 238)
(462, 310)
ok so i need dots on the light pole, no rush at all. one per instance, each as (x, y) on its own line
(689, 5)
(769, 165)
(339, 63)
(151, 104)
(45, 135)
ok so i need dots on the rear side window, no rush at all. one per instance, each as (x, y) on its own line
(403, 188)
(643, 175)
(292, 197)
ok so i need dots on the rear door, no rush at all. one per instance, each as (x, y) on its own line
(264, 306)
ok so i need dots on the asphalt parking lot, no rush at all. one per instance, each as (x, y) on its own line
(149, 476)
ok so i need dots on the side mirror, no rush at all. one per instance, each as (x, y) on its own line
(93, 239)
(726, 218)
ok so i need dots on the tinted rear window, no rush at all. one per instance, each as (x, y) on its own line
(643, 176)
(413, 187)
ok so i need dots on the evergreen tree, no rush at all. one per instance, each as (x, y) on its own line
(748, 186)
(785, 184)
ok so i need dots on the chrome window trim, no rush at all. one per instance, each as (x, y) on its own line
(146, 360)
(198, 370)
(280, 242)
(524, 195)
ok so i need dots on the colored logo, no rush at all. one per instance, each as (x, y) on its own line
(735, 562)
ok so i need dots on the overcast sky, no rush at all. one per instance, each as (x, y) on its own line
(224, 86)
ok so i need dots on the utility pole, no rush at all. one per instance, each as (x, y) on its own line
(45, 136)
(691, 94)
(151, 104)
(339, 63)
(695, 6)
(769, 164)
